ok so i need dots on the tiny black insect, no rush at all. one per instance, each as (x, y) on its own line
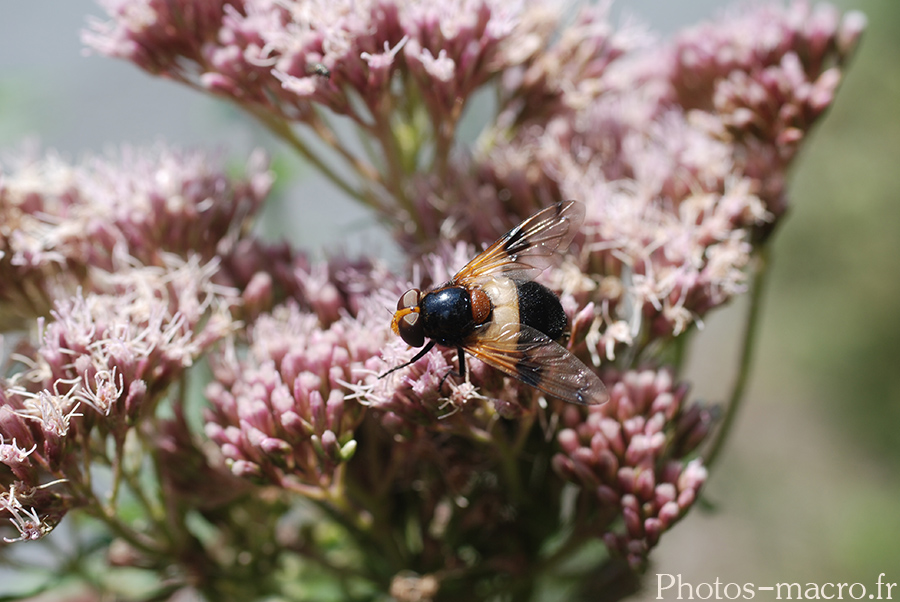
(318, 69)
(495, 311)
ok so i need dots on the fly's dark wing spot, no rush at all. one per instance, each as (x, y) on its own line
(528, 355)
(551, 368)
(528, 371)
(526, 250)
(516, 241)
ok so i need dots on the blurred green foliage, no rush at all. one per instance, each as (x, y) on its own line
(835, 294)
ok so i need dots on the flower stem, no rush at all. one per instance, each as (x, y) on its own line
(284, 132)
(758, 285)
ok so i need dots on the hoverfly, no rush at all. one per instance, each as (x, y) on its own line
(493, 310)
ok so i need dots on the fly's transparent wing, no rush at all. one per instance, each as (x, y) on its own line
(530, 356)
(526, 250)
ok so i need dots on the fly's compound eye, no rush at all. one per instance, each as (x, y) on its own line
(410, 299)
(410, 329)
(407, 322)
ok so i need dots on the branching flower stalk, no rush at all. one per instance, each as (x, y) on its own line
(298, 473)
(745, 363)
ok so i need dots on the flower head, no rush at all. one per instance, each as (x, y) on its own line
(265, 53)
(60, 223)
(33, 511)
(281, 413)
(103, 362)
(763, 92)
(629, 453)
(107, 359)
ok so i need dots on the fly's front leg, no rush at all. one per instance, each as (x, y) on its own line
(415, 359)
(462, 368)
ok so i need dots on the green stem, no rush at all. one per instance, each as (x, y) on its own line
(382, 554)
(153, 508)
(509, 468)
(282, 130)
(116, 470)
(751, 328)
(384, 130)
(680, 347)
(523, 430)
(326, 133)
(108, 517)
(372, 533)
(315, 554)
(579, 536)
(584, 529)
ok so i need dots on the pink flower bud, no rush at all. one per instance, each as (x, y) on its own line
(568, 440)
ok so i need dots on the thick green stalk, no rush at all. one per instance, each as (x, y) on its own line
(758, 285)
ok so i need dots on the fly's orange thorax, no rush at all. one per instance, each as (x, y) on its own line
(481, 306)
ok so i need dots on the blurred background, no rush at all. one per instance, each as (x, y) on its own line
(808, 487)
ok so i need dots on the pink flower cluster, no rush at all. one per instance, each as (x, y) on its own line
(103, 363)
(139, 266)
(630, 452)
(60, 222)
(763, 92)
(284, 57)
(280, 413)
(679, 150)
(117, 258)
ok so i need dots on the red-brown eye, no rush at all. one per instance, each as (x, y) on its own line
(410, 328)
(410, 299)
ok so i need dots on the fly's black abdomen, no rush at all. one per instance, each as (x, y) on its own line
(447, 315)
(540, 308)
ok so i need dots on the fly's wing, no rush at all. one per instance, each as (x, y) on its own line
(526, 250)
(530, 356)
